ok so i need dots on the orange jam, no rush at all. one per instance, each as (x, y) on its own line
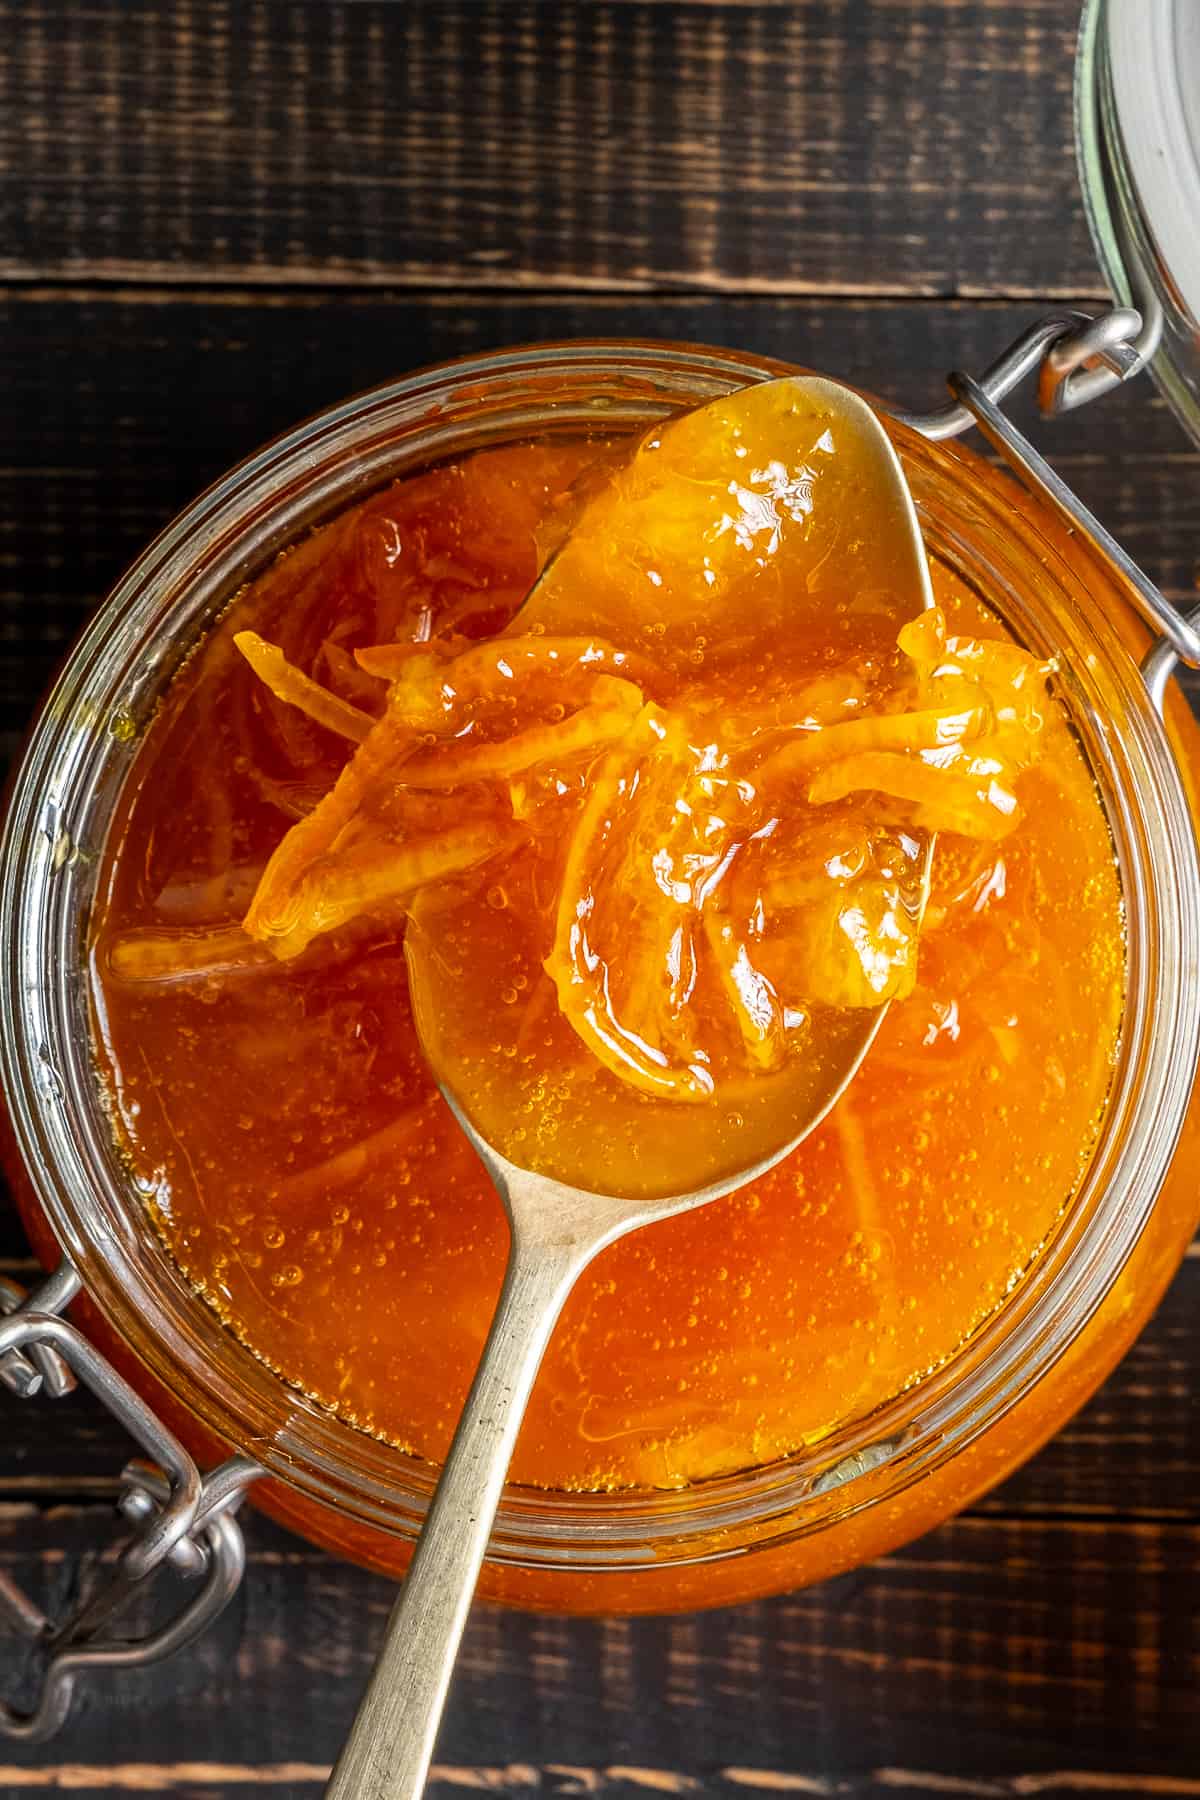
(554, 815)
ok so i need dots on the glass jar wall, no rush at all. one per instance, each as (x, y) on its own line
(1137, 133)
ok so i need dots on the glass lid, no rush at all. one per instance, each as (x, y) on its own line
(1138, 132)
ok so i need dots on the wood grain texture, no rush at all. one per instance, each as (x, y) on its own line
(821, 146)
(217, 216)
(991, 1653)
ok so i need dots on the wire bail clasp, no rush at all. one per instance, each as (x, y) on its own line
(178, 1516)
(1076, 358)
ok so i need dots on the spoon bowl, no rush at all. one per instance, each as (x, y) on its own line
(559, 1225)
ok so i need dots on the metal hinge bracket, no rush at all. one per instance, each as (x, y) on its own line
(178, 1516)
(1076, 359)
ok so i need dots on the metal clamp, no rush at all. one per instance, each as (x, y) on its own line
(43, 1367)
(1076, 359)
(178, 1516)
(1075, 356)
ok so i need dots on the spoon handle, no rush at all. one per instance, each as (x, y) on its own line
(387, 1754)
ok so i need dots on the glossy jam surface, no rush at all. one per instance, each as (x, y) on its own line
(285, 1132)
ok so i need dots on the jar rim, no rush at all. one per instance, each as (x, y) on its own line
(1134, 260)
(72, 769)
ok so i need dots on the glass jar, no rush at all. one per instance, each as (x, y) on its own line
(879, 1481)
(1137, 133)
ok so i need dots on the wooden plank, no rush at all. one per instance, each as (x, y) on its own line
(121, 407)
(872, 146)
(994, 1654)
(616, 1781)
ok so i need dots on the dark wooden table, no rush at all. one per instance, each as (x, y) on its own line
(217, 217)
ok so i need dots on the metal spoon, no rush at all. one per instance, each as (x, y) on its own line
(556, 1231)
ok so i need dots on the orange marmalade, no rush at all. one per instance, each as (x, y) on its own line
(255, 1024)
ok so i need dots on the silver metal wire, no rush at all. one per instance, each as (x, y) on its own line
(178, 1516)
(1076, 358)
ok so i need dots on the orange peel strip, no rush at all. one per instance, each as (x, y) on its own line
(579, 975)
(340, 889)
(274, 910)
(354, 682)
(417, 696)
(390, 662)
(911, 731)
(824, 702)
(1011, 679)
(752, 997)
(153, 956)
(858, 948)
(947, 800)
(295, 688)
(594, 727)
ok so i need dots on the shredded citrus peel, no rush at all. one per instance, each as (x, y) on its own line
(981, 704)
(151, 956)
(295, 688)
(718, 872)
